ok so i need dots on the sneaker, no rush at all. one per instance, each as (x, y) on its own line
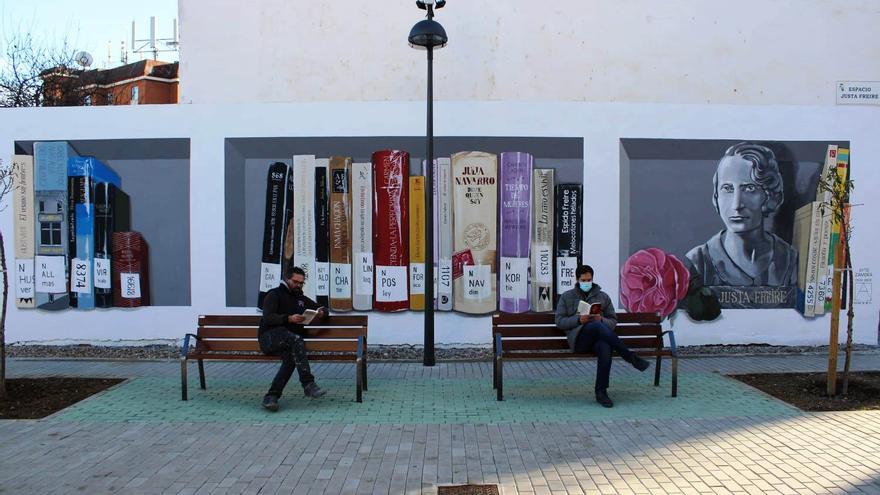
(602, 398)
(313, 391)
(640, 363)
(270, 403)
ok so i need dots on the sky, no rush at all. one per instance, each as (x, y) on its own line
(90, 24)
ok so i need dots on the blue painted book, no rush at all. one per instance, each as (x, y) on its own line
(50, 225)
(83, 173)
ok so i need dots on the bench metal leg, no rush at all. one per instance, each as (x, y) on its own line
(495, 372)
(183, 379)
(202, 374)
(365, 364)
(674, 376)
(657, 371)
(359, 394)
(499, 367)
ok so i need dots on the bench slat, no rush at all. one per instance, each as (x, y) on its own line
(540, 344)
(542, 318)
(253, 345)
(552, 331)
(254, 321)
(216, 356)
(308, 332)
(571, 355)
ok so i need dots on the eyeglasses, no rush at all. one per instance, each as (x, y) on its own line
(298, 282)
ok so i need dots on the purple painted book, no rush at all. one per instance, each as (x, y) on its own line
(515, 229)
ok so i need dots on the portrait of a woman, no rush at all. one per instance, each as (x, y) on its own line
(748, 188)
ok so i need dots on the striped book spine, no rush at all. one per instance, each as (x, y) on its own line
(515, 177)
(803, 219)
(23, 229)
(362, 236)
(131, 270)
(569, 233)
(823, 285)
(475, 214)
(304, 220)
(340, 233)
(542, 240)
(50, 200)
(417, 243)
(112, 214)
(834, 239)
(322, 233)
(390, 230)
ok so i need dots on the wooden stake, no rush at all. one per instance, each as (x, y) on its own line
(835, 319)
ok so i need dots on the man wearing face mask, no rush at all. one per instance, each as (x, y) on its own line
(594, 333)
(279, 335)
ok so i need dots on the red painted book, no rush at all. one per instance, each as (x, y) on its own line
(390, 230)
(130, 268)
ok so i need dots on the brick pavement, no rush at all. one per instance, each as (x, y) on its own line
(738, 451)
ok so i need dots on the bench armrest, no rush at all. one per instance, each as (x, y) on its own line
(185, 350)
(672, 347)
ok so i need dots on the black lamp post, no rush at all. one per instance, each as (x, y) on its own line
(428, 34)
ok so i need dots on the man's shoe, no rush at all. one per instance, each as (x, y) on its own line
(602, 398)
(313, 391)
(640, 363)
(270, 403)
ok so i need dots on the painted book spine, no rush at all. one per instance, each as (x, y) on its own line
(475, 208)
(801, 241)
(50, 227)
(362, 235)
(304, 220)
(131, 270)
(842, 166)
(824, 278)
(444, 234)
(105, 224)
(417, 243)
(390, 230)
(273, 229)
(322, 233)
(515, 177)
(80, 231)
(569, 235)
(813, 260)
(23, 229)
(542, 240)
(340, 234)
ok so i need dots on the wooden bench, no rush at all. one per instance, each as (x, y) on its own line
(234, 338)
(535, 336)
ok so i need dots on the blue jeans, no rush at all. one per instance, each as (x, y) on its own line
(595, 336)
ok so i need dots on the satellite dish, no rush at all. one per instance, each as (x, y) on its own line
(83, 58)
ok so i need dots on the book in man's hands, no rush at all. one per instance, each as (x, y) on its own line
(585, 308)
(310, 315)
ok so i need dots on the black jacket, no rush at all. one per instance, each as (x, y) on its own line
(280, 303)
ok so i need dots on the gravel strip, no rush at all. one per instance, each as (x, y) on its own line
(385, 352)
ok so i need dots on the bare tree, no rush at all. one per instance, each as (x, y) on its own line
(33, 73)
(6, 185)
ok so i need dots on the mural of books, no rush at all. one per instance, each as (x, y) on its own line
(73, 240)
(495, 229)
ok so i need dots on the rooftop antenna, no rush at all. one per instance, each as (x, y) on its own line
(154, 44)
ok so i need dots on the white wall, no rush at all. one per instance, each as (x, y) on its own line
(764, 52)
(601, 125)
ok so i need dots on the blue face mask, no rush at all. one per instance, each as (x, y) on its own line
(586, 286)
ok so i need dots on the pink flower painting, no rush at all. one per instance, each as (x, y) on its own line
(652, 281)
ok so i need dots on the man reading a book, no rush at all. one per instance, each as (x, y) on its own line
(283, 319)
(587, 316)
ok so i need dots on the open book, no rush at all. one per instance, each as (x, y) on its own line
(587, 308)
(309, 315)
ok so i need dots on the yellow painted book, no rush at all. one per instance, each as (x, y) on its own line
(417, 243)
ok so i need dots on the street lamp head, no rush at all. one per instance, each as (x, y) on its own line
(427, 33)
(438, 4)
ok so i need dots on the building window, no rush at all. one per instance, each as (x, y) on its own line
(135, 92)
(109, 97)
(87, 101)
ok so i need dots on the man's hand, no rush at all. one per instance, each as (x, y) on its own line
(595, 317)
(296, 319)
(322, 313)
(583, 318)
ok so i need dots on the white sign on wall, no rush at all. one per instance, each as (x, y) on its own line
(858, 93)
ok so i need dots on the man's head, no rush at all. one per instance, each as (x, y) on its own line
(584, 275)
(295, 278)
(747, 186)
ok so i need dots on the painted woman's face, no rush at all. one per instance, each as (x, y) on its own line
(739, 197)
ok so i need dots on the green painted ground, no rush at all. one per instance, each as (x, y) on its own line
(430, 401)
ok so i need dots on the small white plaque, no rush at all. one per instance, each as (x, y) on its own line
(858, 92)
(102, 273)
(49, 274)
(322, 286)
(340, 280)
(544, 263)
(270, 276)
(477, 282)
(363, 282)
(130, 285)
(24, 278)
(390, 283)
(514, 278)
(566, 266)
(80, 276)
(417, 278)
